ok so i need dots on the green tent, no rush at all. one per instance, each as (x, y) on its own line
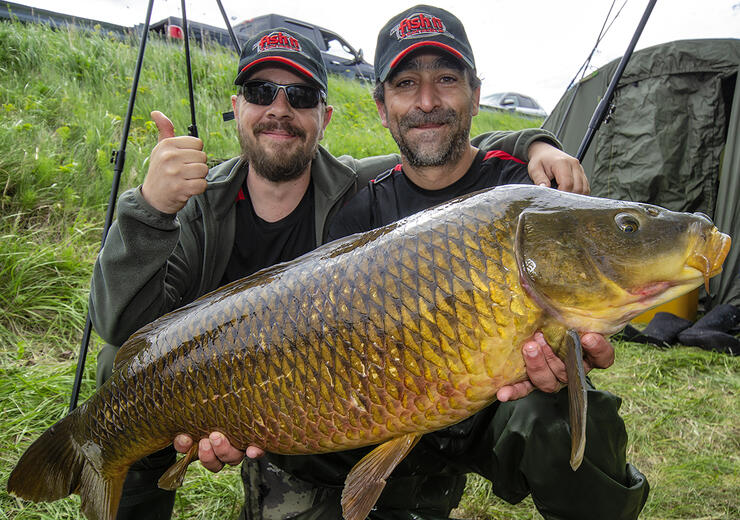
(673, 138)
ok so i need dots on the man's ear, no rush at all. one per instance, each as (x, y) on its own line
(234, 99)
(475, 102)
(328, 111)
(382, 112)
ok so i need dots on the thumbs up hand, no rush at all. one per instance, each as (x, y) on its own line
(177, 168)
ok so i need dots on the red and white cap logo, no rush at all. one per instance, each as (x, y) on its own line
(278, 40)
(419, 25)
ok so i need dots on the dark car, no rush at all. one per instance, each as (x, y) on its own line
(339, 56)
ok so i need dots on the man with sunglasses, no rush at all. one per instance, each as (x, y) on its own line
(188, 230)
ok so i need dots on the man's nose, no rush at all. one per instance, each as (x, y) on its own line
(428, 96)
(280, 106)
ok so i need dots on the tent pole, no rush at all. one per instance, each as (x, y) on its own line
(603, 106)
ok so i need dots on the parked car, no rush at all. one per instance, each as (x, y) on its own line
(339, 56)
(172, 27)
(515, 102)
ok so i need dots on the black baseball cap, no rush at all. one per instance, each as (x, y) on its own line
(282, 46)
(417, 27)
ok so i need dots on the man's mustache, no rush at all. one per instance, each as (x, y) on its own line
(271, 126)
(438, 116)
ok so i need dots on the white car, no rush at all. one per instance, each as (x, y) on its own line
(515, 102)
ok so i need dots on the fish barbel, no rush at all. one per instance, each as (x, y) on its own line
(377, 338)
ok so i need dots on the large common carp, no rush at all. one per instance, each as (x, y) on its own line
(376, 338)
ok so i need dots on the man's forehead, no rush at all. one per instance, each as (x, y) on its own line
(278, 74)
(429, 60)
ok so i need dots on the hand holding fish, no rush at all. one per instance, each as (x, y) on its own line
(215, 451)
(177, 168)
(547, 163)
(546, 371)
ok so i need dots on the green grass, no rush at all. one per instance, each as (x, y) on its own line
(62, 101)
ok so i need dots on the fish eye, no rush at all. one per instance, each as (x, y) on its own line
(627, 223)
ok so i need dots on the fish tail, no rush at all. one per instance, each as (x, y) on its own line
(54, 466)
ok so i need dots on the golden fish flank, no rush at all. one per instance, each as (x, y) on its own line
(377, 338)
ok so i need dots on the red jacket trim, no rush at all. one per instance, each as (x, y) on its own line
(500, 154)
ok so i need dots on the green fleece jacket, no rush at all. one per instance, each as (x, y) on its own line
(153, 262)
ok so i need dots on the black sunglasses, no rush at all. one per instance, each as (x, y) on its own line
(261, 92)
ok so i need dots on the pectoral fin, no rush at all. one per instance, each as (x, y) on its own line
(576, 397)
(367, 479)
(175, 474)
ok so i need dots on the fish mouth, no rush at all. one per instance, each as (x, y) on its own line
(707, 257)
(702, 263)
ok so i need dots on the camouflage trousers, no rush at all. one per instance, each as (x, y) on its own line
(273, 494)
(522, 447)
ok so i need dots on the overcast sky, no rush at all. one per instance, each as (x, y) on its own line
(530, 46)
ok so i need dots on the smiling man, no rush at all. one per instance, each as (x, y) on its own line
(188, 230)
(427, 94)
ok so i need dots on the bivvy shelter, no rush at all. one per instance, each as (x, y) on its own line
(672, 138)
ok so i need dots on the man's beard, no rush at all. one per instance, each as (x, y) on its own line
(282, 166)
(448, 152)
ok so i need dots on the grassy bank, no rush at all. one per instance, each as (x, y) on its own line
(63, 97)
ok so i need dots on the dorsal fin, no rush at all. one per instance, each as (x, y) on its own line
(133, 345)
(141, 339)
